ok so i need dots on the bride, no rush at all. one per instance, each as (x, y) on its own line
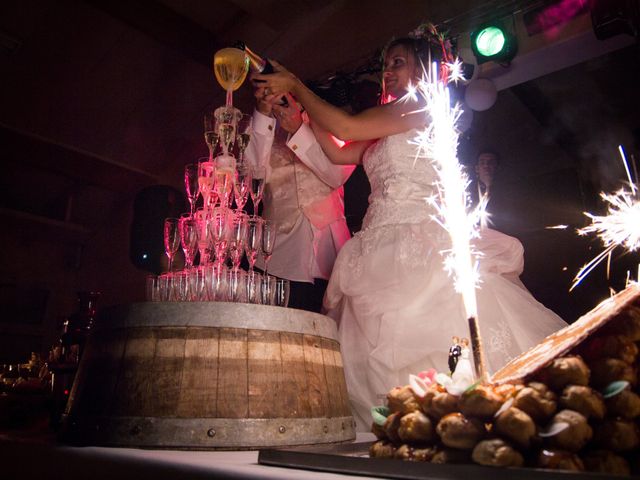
(394, 303)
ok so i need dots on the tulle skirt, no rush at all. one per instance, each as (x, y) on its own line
(397, 309)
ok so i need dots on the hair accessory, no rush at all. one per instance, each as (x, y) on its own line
(429, 32)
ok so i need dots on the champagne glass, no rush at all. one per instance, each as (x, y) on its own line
(152, 288)
(230, 66)
(196, 282)
(237, 239)
(243, 135)
(180, 286)
(254, 239)
(191, 184)
(236, 282)
(188, 228)
(281, 294)
(267, 288)
(211, 136)
(220, 285)
(216, 283)
(257, 187)
(224, 179)
(203, 220)
(164, 287)
(242, 186)
(206, 182)
(226, 121)
(171, 239)
(268, 241)
(253, 280)
(219, 231)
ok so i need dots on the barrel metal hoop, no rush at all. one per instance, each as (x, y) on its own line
(210, 433)
(216, 314)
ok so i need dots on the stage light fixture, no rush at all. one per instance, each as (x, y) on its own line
(492, 42)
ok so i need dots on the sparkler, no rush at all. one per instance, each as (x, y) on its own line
(619, 228)
(439, 141)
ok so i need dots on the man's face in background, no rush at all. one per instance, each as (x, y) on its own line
(486, 167)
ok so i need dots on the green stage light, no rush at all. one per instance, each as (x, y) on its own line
(492, 42)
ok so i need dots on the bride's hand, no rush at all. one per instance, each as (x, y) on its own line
(279, 83)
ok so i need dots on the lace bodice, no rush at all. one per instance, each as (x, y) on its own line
(399, 182)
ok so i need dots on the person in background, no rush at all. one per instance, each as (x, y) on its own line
(303, 195)
(486, 185)
(486, 166)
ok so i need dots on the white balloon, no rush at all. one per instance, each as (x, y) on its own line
(481, 94)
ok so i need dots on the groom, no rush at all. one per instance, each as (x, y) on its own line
(303, 195)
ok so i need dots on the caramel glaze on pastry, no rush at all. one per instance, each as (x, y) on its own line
(378, 431)
(416, 427)
(516, 426)
(442, 404)
(382, 449)
(618, 435)
(402, 399)
(565, 371)
(415, 454)
(536, 400)
(481, 402)
(457, 431)
(391, 426)
(575, 436)
(559, 460)
(451, 455)
(425, 401)
(626, 404)
(584, 400)
(496, 452)
(607, 370)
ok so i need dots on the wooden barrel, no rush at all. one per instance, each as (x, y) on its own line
(209, 375)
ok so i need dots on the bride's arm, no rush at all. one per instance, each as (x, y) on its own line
(349, 154)
(370, 124)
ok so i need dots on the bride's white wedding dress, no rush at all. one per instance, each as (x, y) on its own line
(396, 306)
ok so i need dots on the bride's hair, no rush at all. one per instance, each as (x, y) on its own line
(424, 43)
(422, 48)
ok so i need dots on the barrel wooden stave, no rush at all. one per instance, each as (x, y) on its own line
(161, 380)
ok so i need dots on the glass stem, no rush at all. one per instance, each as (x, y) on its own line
(229, 97)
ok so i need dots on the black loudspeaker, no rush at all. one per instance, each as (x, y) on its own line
(150, 207)
(613, 17)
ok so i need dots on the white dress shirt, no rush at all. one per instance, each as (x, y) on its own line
(309, 249)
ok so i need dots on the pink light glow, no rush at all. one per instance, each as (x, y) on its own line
(552, 17)
(338, 142)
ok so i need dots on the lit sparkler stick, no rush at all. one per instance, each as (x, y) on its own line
(626, 168)
(620, 227)
(439, 142)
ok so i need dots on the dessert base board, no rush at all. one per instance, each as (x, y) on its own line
(353, 459)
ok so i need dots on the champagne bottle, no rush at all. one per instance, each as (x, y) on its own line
(256, 62)
(259, 64)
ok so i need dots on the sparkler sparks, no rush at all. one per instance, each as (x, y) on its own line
(619, 228)
(439, 142)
